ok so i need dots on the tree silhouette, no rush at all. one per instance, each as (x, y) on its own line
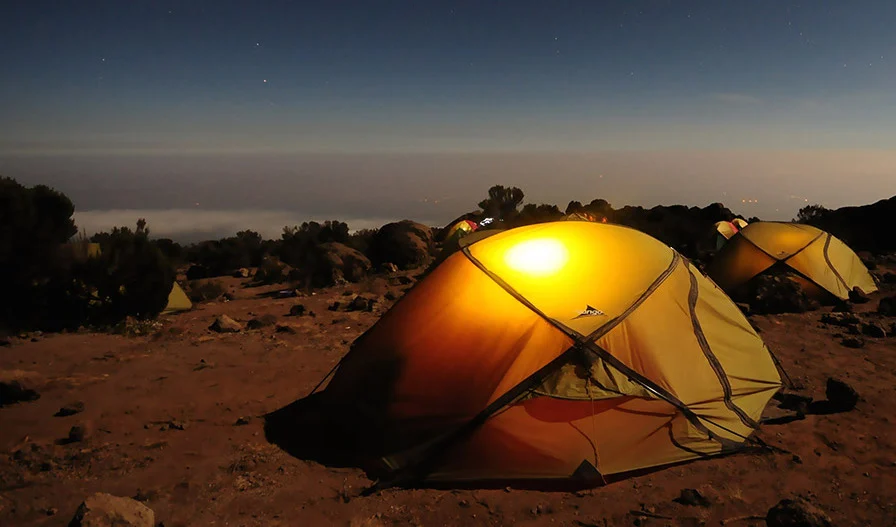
(812, 214)
(502, 202)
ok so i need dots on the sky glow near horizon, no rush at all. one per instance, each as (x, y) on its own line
(394, 109)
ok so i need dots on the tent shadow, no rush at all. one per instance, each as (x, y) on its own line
(306, 429)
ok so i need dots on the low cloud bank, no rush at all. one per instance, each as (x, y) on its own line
(191, 225)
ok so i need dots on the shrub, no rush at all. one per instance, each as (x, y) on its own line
(205, 290)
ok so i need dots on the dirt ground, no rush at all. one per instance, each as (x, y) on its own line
(174, 420)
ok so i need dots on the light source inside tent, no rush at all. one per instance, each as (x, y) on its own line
(537, 257)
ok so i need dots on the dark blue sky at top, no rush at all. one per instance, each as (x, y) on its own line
(153, 71)
(165, 77)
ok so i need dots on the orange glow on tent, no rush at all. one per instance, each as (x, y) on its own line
(537, 257)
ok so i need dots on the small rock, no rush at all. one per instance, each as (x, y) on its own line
(261, 322)
(70, 409)
(225, 324)
(18, 386)
(334, 306)
(853, 342)
(692, 498)
(842, 307)
(177, 424)
(284, 328)
(360, 303)
(874, 330)
(853, 329)
(105, 510)
(840, 319)
(241, 273)
(887, 306)
(796, 513)
(744, 307)
(51, 511)
(858, 297)
(241, 421)
(297, 310)
(841, 395)
(390, 296)
(79, 432)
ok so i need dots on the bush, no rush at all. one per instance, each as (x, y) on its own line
(34, 223)
(205, 290)
(130, 278)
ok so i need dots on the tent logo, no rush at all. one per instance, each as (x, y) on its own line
(590, 312)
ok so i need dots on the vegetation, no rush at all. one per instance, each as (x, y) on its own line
(52, 281)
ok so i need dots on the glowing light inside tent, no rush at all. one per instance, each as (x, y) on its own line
(537, 257)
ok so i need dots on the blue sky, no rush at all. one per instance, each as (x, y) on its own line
(220, 77)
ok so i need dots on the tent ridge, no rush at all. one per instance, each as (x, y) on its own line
(576, 336)
(606, 328)
(693, 295)
(827, 259)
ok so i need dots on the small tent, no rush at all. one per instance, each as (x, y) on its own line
(725, 230)
(567, 351)
(820, 262)
(177, 301)
(583, 216)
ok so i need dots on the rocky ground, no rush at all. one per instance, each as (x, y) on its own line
(172, 419)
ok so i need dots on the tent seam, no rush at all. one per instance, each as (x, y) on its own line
(693, 296)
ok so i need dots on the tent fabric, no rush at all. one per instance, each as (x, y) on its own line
(559, 350)
(177, 301)
(825, 263)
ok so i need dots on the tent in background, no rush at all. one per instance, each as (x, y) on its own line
(567, 351)
(177, 301)
(725, 230)
(823, 264)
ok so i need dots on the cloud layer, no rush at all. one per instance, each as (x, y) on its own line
(188, 225)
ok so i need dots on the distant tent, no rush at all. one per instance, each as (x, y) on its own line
(177, 301)
(822, 263)
(583, 216)
(725, 230)
(565, 351)
(461, 228)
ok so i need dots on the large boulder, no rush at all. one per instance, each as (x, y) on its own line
(106, 510)
(272, 271)
(796, 513)
(407, 244)
(340, 261)
(18, 386)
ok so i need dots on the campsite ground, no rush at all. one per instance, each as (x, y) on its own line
(162, 414)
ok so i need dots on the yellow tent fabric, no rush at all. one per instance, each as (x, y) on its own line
(566, 350)
(177, 301)
(740, 223)
(726, 229)
(822, 261)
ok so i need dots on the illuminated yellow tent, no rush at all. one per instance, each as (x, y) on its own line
(725, 230)
(567, 351)
(820, 262)
(461, 228)
(177, 301)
